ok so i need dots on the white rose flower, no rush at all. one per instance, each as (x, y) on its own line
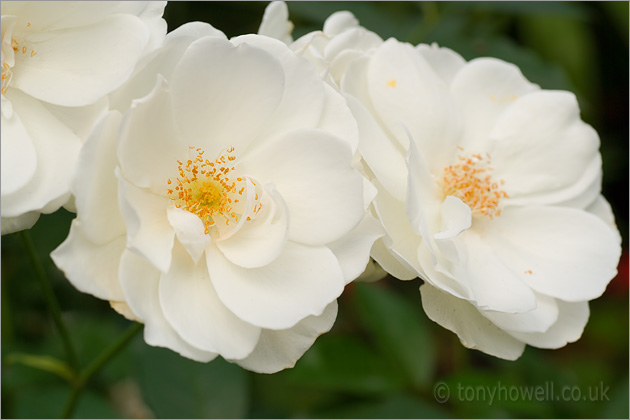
(489, 189)
(222, 211)
(59, 60)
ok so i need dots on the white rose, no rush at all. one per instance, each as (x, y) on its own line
(225, 215)
(489, 189)
(59, 60)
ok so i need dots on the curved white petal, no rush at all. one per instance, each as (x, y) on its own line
(162, 61)
(456, 218)
(22, 222)
(337, 118)
(353, 249)
(149, 232)
(140, 284)
(312, 171)
(562, 252)
(301, 81)
(444, 61)
(193, 308)
(77, 66)
(473, 329)
(19, 158)
(260, 240)
(57, 148)
(148, 152)
(602, 209)
(385, 158)
(92, 268)
(543, 151)
(391, 262)
(537, 320)
(339, 22)
(95, 187)
(190, 231)
(280, 349)
(494, 284)
(275, 22)
(484, 88)
(233, 103)
(302, 281)
(572, 319)
(408, 95)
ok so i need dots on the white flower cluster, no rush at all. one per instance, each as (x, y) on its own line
(227, 190)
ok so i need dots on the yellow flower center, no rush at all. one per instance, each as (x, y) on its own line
(209, 190)
(470, 180)
(10, 49)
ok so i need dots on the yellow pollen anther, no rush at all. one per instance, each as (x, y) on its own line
(391, 83)
(471, 181)
(208, 193)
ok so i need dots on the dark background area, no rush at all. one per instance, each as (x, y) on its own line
(384, 357)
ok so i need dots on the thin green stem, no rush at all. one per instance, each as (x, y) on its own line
(95, 366)
(53, 305)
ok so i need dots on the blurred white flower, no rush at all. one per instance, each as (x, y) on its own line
(234, 218)
(59, 60)
(489, 189)
(275, 22)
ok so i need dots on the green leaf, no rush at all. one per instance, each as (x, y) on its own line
(47, 402)
(46, 363)
(345, 364)
(399, 329)
(176, 387)
(398, 406)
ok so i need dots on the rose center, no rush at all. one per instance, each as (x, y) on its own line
(11, 50)
(471, 180)
(209, 190)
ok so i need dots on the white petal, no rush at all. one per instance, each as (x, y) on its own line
(384, 157)
(391, 262)
(162, 61)
(456, 218)
(57, 148)
(140, 283)
(19, 158)
(96, 187)
(339, 22)
(572, 319)
(494, 284)
(406, 92)
(80, 119)
(444, 61)
(218, 100)
(474, 330)
(537, 320)
(602, 209)
(91, 268)
(148, 153)
(403, 241)
(193, 308)
(190, 231)
(149, 232)
(353, 250)
(485, 88)
(301, 80)
(562, 252)
(262, 239)
(275, 22)
(311, 170)
(302, 281)
(15, 224)
(280, 349)
(338, 120)
(77, 66)
(150, 12)
(543, 151)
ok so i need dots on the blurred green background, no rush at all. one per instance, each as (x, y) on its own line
(383, 358)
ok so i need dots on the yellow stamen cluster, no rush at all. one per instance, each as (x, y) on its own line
(471, 181)
(206, 188)
(6, 68)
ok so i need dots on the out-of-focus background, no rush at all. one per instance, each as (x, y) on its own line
(383, 358)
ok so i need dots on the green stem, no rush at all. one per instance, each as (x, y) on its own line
(95, 366)
(53, 305)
